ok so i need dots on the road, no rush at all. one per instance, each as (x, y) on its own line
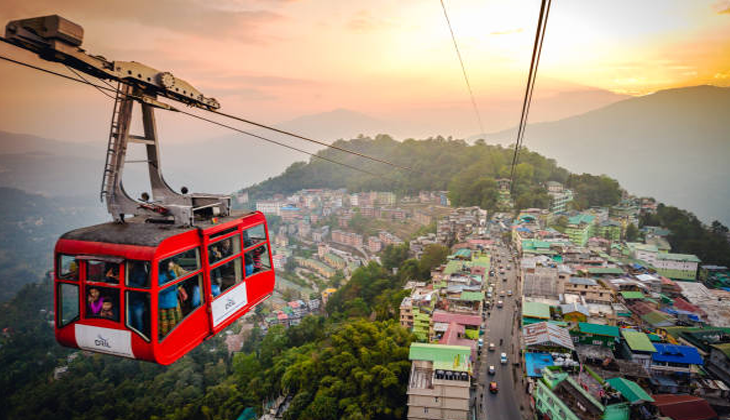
(500, 325)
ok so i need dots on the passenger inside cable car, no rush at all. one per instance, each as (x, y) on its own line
(138, 291)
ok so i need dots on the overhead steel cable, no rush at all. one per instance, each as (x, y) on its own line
(463, 70)
(104, 88)
(532, 76)
(331, 146)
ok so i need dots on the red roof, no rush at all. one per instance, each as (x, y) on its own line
(448, 317)
(684, 407)
(641, 308)
(682, 304)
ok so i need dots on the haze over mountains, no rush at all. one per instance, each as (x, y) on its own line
(673, 145)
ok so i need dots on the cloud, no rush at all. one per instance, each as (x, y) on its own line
(189, 17)
(507, 31)
(363, 21)
(722, 7)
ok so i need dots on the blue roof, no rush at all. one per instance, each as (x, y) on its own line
(676, 354)
(535, 362)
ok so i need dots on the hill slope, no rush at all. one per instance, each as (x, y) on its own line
(673, 145)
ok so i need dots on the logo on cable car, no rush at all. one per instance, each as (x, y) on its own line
(102, 342)
(230, 303)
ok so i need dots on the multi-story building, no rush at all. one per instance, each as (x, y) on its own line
(388, 238)
(347, 238)
(316, 266)
(591, 290)
(279, 261)
(559, 396)
(334, 261)
(677, 266)
(580, 228)
(439, 384)
(422, 217)
(559, 196)
(386, 198)
(374, 244)
(270, 207)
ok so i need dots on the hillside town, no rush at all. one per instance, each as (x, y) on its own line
(547, 313)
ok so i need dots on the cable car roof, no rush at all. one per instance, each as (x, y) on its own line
(136, 231)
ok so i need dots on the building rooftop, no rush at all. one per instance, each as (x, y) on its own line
(684, 407)
(536, 362)
(638, 341)
(672, 353)
(546, 334)
(605, 270)
(463, 319)
(678, 257)
(535, 310)
(455, 358)
(583, 281)
(630, 390)
(632, 295)
(574, 307)
(597, 329)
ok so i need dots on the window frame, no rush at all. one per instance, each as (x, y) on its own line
(201, 284)
(222, 263)
(268, 256)
(127, 272)
(265, 241)
(104, 283)
(237, 234)
(160, 260)
(59, 304)
(59, 267)
(98, 285)
(127, 319)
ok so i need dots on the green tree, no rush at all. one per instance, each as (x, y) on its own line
(433, 256)
(632, 233)
(394, 255)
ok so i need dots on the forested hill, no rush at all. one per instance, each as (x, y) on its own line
(467, 171)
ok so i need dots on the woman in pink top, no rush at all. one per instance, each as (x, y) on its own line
(95, 302)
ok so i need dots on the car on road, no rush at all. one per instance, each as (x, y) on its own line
(509, 292)
(501, 293)
(503, 358)
(493, 387)
(491, 370)
(500, 303)
(491, 346)
(481, 342)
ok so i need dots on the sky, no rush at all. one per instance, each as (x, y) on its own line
(276, 60)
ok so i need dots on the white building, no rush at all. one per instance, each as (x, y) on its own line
(269, 207)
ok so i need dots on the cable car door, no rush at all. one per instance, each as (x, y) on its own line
(226, 288)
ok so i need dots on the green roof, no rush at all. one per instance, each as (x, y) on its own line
(443, 357)
(724, 348)
(678, 257)
(654, 318)
(581, 218)
(630, 390)
(598, 329)
(654, 338)
(638, 341)
(463, 253)
(334, 258)
(455, 266)
(481, 261)
(536, 310)
(605, 270)
(632, 295)
(472, 296)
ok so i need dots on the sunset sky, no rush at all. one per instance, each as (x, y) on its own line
(274, 60)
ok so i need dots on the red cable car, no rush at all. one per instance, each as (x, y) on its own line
(184, 267)
(154, 292)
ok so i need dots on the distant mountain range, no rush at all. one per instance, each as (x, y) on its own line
(673, 145)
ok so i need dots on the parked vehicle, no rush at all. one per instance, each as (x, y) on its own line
(503, 358)
(491, 346)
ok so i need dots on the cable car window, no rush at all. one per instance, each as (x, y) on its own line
(257, 260)
(223, 233)
(102, 302)
(225, 276)
(102, 271)
(179, 265)
(138, 313)
(253, 236)
(177, 301)
(138, 273)
(68, 303)
(224, 249)
(68, 267)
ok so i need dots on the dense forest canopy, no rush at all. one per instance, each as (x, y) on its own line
(467, 171)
